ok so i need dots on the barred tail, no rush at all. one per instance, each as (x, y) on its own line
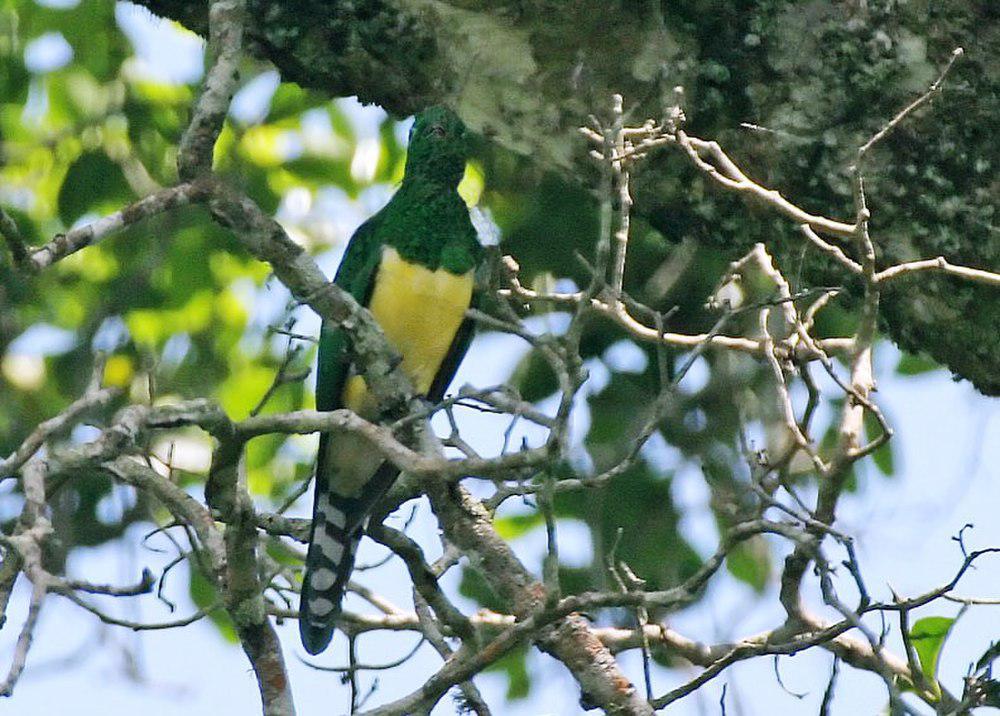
(333, 542)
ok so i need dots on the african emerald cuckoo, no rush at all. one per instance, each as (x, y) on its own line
(412, 266)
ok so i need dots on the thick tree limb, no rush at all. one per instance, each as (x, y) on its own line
(469, 527)
(226, 20)
(510, 78)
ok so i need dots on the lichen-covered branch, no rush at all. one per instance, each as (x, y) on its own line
(63, 245)
(508, 75)
(226, 22)
(52, 426)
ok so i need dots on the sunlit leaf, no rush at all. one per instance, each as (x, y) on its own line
(265, 145)
(513, 526)
(928, 636)
(290, 100)
(118, 371)
(243, 389)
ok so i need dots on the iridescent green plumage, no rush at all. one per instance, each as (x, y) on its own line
(423, 236)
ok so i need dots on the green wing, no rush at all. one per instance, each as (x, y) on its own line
(456, 352)
(356, 275)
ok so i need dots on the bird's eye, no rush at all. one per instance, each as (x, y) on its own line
(437, 130)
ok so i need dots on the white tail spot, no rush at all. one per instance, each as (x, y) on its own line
(322, 579)
(331, 548)
(331, 514)
(320, 607)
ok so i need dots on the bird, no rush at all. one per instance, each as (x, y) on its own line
(412, 265)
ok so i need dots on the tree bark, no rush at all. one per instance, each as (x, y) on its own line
(820, 77)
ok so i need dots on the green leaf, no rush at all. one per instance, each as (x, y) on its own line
(515, 664)
(341, 124)
(911, 364)
(640, 501)
(828, 444)
(14, 80)
(534, 377)
(928, 636)
(883, 457)
(750, 562)
(25, 225)
(282, 553)
(204, 595)
(392, 156)
(474, 586)
(290, 100)
(93, 183)
(91, 31)
(314, 171)
(513, 526)
(240, 392)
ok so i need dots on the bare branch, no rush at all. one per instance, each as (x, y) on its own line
(923, 99)
(469, 527)
(24, 640)
(726, 173)
(835, 251)
(53, 426)
(72, 241)
(941, 264)
(143, 586)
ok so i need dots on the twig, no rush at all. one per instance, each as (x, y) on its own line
(835, 251)
(24, 639)
(361, 666)
(934, 89)
(72, 241)
(725, 172)
(53, 426)
(824, 707)
(106, 618)
(941, 264)
(621, 180)
(143, 586)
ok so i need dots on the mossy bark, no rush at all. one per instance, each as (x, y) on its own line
(821, 76)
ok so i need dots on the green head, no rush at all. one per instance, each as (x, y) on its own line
(438, 147)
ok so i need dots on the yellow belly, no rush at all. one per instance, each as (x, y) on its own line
(420, 312)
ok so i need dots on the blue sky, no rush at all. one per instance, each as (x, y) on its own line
(948, 474)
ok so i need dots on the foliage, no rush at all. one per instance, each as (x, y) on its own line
(928, 636)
